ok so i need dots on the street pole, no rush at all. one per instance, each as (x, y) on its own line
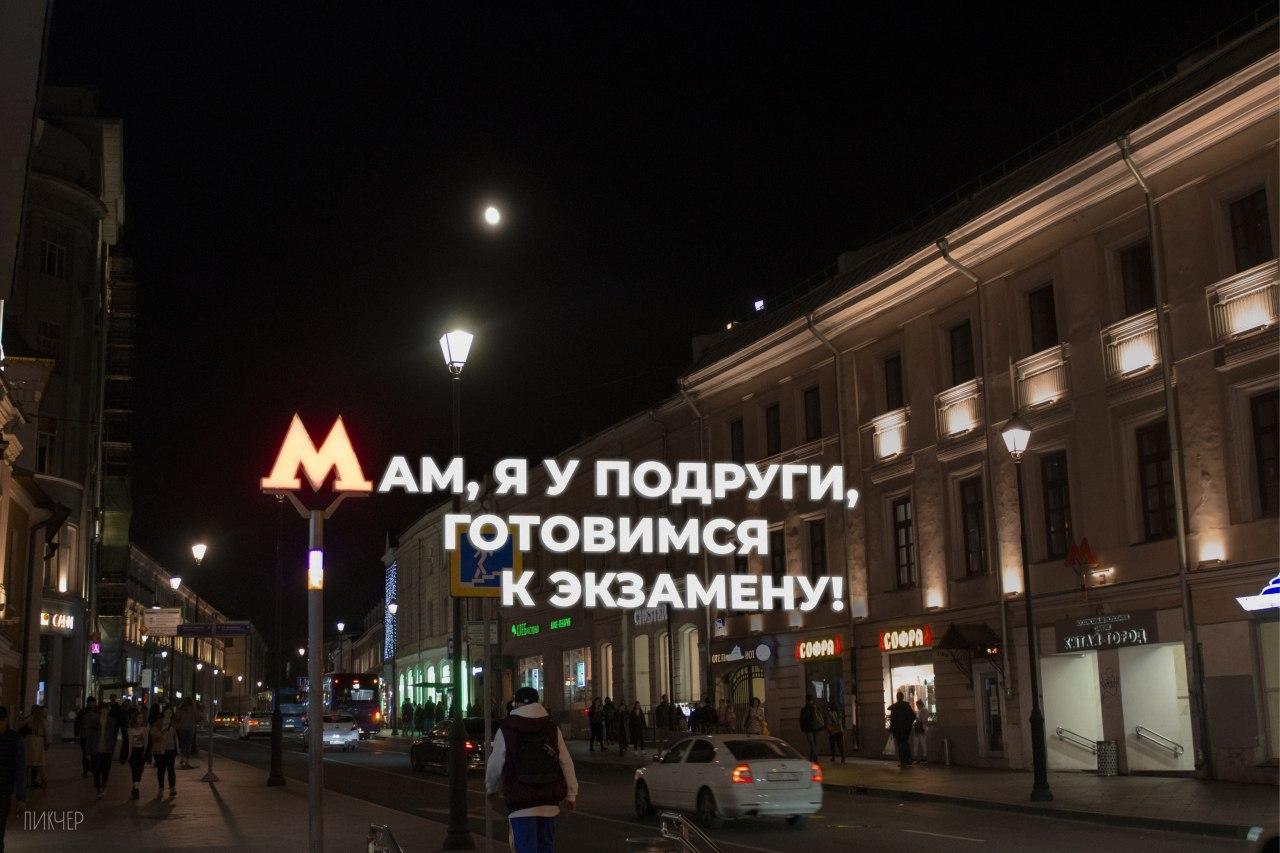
(459, 835)
(275, 777)
(395, 698)
(315, 695)
(488, 673)
(1040, 792)
(209, 775)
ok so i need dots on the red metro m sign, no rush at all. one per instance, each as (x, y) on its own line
(300, 453)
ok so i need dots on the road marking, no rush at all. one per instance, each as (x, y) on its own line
(720, 842)
(944, 835)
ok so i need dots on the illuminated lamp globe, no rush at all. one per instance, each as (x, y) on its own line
(456, 346)
(1016, 435)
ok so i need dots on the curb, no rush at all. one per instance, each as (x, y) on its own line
(1193, 827)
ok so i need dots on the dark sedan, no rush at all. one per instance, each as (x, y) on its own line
(432, 750)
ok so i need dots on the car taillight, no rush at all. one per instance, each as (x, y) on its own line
(470, 746)
(377, 715)
(815, 774)
(741, 775)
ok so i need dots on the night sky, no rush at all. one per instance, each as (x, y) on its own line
(305, 187)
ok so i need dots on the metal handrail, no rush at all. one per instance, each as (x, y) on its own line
(1159, 740)
(677, 827)
(381, 840)
(1075, 739)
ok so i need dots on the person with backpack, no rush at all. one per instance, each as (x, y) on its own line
(530, 765)
(812, 721)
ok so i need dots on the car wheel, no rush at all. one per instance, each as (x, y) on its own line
(796, 820)
(644, 806)
(707, 815)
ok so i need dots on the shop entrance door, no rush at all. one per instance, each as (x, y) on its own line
(1157, 708)
(1072, 709)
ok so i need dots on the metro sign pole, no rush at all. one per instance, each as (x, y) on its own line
(335, 454)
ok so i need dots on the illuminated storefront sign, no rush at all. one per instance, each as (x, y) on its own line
(57, 623)
(524, 629)
(561, 623)
(649, 615)
(1107, 631)
(900, 639)
(1266, 600)
(825, 647)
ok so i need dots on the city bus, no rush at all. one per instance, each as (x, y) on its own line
(357, 695)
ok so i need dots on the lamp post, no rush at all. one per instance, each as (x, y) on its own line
(456, 346)
(275, 776)
(174, 583)
(342, 627)
(1016, 435)
(392, 607)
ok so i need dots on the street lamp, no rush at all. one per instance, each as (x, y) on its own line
(302, 653)
(198, 551)
(342, 626)
(456, 346)
(175, 582)
(492, 216)
(1016, 435)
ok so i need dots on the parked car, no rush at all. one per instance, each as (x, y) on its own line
(723, 777)
(293, 717)
(340, 731)
(432, 749)
(226, 720)
(256, 723)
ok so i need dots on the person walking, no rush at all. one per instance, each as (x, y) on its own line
(835, 736)
(710, 719)
(139, 741)
(406, 716)
(663, 720)
(919, 735)
(164, 751)
(901, 721)
(622, 726)
(184, 722)
(754, 722)
(610, 715)
(812, 721)
(420, 721)
(728, 719)
(595, 726)
(13, 771)
(101, 730)
(637, 725)
(85, 767)
(530, 765)
(35, 734)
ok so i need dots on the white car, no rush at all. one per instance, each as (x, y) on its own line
(719, 777)
(257, 723)
(341, 731)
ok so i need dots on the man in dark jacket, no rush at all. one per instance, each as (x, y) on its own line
(101, 730)
(663, 719)
(406, 716)
(901, 721)
(812, 721)
(13, 771)
(85, 764)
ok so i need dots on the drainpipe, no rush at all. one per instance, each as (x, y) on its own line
(706, 562)
(993, 535)
(844, 551)
(666, 565)
(1190, 632)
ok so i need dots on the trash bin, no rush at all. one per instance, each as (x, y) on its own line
(1108, 757)
(653, 844)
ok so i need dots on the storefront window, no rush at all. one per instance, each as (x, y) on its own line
(606, 669)
(1269, 642)
(640, 662)
(529, 672)
(912, 674)
(824, 679)
(576, 666)
(992, 719)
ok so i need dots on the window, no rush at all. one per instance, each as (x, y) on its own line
(640, 666)
(675, 753)
(962, 369)
(53, 259)
(817, 548)
(1135, 275)
(1250, 230)
(777, 554)
(1269, 643)
(992, 719)
(812, 414)
(48, 338)
(1044, 318)
(737, 442)
(702, 752)
(1056, 495)
(904, 543)
(772, 430)
(1155, 470)
(893, 391)
(46, 440)
(973, 526)
(1266, 450)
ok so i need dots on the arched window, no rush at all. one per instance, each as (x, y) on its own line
(640, 660)
(664, 661)
(605, 668)
(430, 692)
(689, 659)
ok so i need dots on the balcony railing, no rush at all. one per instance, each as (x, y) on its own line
(1042, 378)
(1245, 303)
(889, 434)
(1131, 346)
(959, 410)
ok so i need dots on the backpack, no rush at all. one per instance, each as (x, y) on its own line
(531, 774)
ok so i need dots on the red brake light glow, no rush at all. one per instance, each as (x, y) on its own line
(470, 745)
(815, 774)
(741, 775)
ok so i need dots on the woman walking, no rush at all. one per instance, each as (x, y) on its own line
(139, 746)
(755, 724)
(164, 751)
(920, 735)
(636, 723)
(35, 735)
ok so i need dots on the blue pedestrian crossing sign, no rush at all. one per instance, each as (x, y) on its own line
(474, 573)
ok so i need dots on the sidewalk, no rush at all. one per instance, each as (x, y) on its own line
(1155, 802)
(239, 812)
